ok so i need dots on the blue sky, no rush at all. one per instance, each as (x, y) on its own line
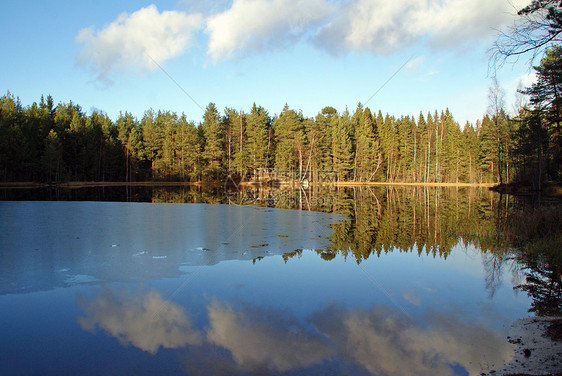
(306, 53)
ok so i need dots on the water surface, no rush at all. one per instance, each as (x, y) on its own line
(410, 285)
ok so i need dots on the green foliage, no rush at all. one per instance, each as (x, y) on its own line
(342, 152)
(537, 138)
(214, 147)
(44, 142)
(259, 143)
(290, 141)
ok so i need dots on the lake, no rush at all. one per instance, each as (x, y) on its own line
(189, 281)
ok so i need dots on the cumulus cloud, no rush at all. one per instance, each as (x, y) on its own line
(254, 25)
(146, 321)
(415, 64)
(384, 27)
(133, 40)
(244, 27)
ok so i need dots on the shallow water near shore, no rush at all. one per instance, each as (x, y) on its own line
(387, 282)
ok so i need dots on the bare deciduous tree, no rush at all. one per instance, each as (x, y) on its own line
(539, 25)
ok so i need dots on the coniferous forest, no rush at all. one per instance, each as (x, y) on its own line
(44, 142)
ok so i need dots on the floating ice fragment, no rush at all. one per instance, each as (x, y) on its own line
(159, 257)
(81, 278)
(140, 253)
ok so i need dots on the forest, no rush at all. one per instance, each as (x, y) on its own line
(49, 143)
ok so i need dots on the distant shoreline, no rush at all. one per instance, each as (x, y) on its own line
(355, 184)
(84, 184)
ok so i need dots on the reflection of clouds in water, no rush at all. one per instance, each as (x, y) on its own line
(412, 297)
(386, 343)
(255, 339)
(145, 321)
(264, 339)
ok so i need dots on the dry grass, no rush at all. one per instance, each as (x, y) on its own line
(356, 184)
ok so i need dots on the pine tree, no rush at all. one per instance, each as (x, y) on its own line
(342, 152)
(389, 146)
(367, 152)
(290, 141)
(259, 148)
(406, 142)
(323, 129)
(214, 149)
(188, 150)
(421, 150)
(52, 159)
(546, 98)
(488, 150)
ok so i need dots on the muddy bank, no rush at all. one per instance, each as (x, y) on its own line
(537, 347)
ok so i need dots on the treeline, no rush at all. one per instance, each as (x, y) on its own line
(532, 140)
(49, 143)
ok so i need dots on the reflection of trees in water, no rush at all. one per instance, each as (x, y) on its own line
(431, 221)
(425, 220)
(495, 266)
(543, 283)
(528, 240)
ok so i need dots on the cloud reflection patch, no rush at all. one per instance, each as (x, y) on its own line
(386, 343)
(145, 321)
(264, 339)
(251, 338)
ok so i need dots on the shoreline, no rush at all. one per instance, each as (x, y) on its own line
(537, 348)
(406, 184)
(84, 184)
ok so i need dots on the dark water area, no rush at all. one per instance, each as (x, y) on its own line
(106, 193)
(195, 281)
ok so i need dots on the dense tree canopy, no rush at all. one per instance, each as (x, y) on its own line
(42, 142)
(48, 143)
(538, 139)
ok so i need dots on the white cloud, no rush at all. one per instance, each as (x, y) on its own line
(253, 25)
(526, 80)
(133, 40)
(414, 65)
(383, 27)
(145, 321)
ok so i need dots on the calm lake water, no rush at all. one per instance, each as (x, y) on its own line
(386, 281)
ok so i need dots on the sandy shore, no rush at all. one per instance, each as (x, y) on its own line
(538, 347)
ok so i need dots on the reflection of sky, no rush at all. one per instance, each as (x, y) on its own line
(46, 244)
(145, 321)
(380, 339)
(67, 298)
(308, 316)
